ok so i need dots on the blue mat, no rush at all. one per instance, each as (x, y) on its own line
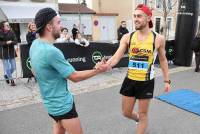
(183, 98)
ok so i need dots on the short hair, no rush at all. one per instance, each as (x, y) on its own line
(123, 21)
(41, 31)
(42, 18)
(2, 25)
(64, 28)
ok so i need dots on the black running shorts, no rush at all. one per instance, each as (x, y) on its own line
(71, 114)
(137, 89)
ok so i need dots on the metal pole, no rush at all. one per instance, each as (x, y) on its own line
(79, 15)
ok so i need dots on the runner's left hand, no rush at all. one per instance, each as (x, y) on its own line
(167, 87)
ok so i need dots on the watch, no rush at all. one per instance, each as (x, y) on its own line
(167, 81)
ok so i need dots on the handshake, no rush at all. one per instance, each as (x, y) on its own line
(103, 65)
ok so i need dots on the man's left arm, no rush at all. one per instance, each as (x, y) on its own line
(163, 61)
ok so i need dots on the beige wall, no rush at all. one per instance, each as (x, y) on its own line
(96, 29)
(123, 8)
(106, 28)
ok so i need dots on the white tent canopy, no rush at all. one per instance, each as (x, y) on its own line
(20, 13)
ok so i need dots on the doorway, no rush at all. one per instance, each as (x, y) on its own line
(16, 29)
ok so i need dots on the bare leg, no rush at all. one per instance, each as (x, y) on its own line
(143, 115)
(72, 126)
(57, 128)
(127, 108)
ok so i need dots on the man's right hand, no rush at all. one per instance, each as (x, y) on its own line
(102, 66)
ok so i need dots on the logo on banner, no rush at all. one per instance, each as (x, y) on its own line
(185, 8)
(28, 63)
(96, 57)
(77, 59)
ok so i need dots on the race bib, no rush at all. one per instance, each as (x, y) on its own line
(139, 65)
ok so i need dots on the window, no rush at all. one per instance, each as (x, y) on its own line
(159, 4)
(143, 2)
(140, 1)
(157, 25)
(169, 24)
(169, 4)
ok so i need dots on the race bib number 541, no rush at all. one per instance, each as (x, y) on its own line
(139, 65)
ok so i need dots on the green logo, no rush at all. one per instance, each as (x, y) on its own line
(170, 50)
(96, 57)
(28, 63)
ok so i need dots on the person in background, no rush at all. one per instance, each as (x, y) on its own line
(30, 37)
(74, 31)
(64, 36)
(79, 40)
(7, 51)
(122, 30)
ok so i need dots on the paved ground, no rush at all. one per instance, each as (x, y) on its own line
(100, 112)
(27, 93)
(98, 104)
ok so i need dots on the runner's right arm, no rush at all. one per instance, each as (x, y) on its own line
(120, 51)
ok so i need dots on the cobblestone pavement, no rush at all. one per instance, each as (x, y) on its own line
(27, 93)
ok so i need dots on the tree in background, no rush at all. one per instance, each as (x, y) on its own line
(166, 7)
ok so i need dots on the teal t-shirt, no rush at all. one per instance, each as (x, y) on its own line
(51, 70)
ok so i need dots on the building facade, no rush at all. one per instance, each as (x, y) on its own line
(126, 13)
(94, 26)
(115, 6)
(77, 14)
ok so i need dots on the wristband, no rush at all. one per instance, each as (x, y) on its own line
(167, 81)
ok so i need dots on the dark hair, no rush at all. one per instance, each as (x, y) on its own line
(2, 25)
(42, 18)
(64, 28)
(123, 21)
(41, 31)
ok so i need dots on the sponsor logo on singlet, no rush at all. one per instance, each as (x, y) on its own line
(136, 50)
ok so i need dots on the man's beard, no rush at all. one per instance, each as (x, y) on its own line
(142, 26)
(56, 35)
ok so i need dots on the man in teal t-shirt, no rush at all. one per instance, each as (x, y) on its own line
(52, 70)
